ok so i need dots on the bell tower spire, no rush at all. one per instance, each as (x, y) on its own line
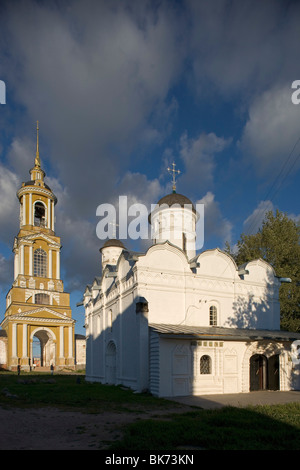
(37, 162)
(37, 174)
(37, 305)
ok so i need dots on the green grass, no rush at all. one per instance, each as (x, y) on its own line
(252, 428)
(71, 392)
(275, 427)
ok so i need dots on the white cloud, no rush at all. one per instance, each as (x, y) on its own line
(6, 272)
(199, 157)
(97, 78)
(240, 48)
(271, 132)
(254, 222)
(215, 224)
(9, 206)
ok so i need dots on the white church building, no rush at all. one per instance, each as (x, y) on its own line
(177, 323)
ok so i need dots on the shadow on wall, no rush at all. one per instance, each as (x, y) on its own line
(255, 314)
(248, 313)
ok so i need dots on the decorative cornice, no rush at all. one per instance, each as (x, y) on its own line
(24, 315)
(36, 189)
(20, 317)
(34, 236)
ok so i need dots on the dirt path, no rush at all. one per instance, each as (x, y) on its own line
(52, 429)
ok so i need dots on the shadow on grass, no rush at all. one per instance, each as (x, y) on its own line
(72, 392)
(275, 427)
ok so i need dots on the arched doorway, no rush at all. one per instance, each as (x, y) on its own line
(264, 373)
(42, 341)
(111, 363)
(258, 372)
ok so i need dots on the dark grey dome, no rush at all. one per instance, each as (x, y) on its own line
(174, 198)
(113, 242)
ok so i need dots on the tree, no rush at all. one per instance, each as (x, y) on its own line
(278, 243)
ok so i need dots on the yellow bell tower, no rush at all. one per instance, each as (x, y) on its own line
(36, 305)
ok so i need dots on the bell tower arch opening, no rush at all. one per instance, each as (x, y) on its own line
(39, 213)
(43, 348)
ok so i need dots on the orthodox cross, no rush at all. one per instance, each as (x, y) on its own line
(172, 170)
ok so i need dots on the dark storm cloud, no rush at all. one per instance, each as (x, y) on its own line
(98, 76)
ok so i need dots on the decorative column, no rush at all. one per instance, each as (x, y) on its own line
(52, 216)
(49, 213)
(14, 340)
(30, 209)
(21, 259)
(16, 263)
(57, 264)
(70, 345)
(24, 210)
(30, 260)
(24, 345)
(61, 342)
(50, 264)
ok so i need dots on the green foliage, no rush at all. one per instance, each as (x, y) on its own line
(278, 243)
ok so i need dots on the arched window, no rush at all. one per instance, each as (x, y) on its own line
(213, 312)
(205, 365)
(43, 299)
(40, 263)
(39, 214)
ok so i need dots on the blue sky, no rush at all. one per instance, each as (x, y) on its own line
(122, 89)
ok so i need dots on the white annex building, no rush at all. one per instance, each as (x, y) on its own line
(174, 322)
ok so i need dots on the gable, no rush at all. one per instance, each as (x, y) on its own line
(260, 271)
(41, 236)
(164, 256)
(216, 263)
(42, 313)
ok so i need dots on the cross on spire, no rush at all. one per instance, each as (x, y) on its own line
(172, 170)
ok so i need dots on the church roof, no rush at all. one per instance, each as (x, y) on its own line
(31, 183)
(221, 333)
(113, 242)
(174, 198)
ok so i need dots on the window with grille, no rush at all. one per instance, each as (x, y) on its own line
(42, 299)
(40, 263)
(205, 365)
(213, 315)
